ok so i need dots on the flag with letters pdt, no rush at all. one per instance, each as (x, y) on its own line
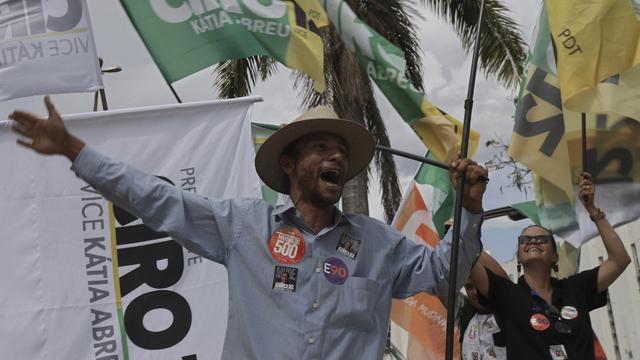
(547, 139)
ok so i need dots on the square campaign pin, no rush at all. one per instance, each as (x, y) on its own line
(285, 278)
(558, 352)
(348, 247)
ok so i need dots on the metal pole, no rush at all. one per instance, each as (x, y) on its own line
(174, 93)
(413, 157)
(422, 159)
(455, 245)
(102, 92)
(95, 101)
(584, 142)
(103, 99)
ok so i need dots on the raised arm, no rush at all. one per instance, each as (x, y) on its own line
(48, 136)
(203, 226)
(479, 276)
(617, 256)
(423, 269)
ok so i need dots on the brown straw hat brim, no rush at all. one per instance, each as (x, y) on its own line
(359, 141)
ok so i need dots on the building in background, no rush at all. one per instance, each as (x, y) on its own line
(618, 324)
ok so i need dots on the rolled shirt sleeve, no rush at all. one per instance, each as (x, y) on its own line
(199, 224)
(422, 268)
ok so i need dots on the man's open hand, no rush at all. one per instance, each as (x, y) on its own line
(475, 184)
(47, 136)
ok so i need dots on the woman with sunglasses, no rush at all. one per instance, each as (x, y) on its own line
(543, 317)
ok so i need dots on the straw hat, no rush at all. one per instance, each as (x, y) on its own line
(320, 119)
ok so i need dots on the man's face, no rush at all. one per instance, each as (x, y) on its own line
(317, 168)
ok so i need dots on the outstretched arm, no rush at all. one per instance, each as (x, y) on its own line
(617, 256)
(47, 136)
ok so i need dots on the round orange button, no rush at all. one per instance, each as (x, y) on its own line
(539, 322)
(287, 245)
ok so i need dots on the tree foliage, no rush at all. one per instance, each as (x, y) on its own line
(349, 90)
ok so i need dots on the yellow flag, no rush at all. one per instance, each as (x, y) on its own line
(442, 133)
(598, 55)
(306, 51)
(539, 137)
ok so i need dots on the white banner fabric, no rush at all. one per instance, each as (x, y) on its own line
(46, 47)
(80, 279)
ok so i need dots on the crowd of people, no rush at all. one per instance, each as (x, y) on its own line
(323, 279)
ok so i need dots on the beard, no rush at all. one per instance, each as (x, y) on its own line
(311, 190)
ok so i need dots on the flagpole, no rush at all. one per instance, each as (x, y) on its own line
(412, 157)
(421, 159)
(174, 93)
(464, 149)
(584, 142)
(102, 93)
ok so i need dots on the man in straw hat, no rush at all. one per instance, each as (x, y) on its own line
(305, 271)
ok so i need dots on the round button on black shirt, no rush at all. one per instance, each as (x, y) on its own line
(515, 304)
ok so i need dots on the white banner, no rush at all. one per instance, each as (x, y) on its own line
(80, 279)
(46, 47)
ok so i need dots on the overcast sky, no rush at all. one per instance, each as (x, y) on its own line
(446, 69)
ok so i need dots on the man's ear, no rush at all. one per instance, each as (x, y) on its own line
(286, 164)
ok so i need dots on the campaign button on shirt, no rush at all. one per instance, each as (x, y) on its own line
(287, 245)
(335, 271)
(285, 278)
(558, 352)
(569, 312)
(539, 322)
(348, 247)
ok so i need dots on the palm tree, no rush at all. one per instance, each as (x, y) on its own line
(350, 91)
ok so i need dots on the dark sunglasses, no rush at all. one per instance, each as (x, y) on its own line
(534, 239)
(558, 322)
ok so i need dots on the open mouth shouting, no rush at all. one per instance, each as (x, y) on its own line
(332, 177)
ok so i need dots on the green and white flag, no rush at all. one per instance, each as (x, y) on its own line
(184, 37)
(386, 65)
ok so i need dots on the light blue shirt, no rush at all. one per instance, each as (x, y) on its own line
(321, 318)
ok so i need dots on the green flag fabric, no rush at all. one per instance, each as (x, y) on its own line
(184, 37)
(528, 209)
(386, 65)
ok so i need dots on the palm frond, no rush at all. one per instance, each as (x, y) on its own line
(502, 48)
(395, 19)
(236, 78)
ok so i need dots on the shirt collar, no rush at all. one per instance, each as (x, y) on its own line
(289, 209)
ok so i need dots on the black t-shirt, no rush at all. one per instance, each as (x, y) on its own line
(528, 324)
